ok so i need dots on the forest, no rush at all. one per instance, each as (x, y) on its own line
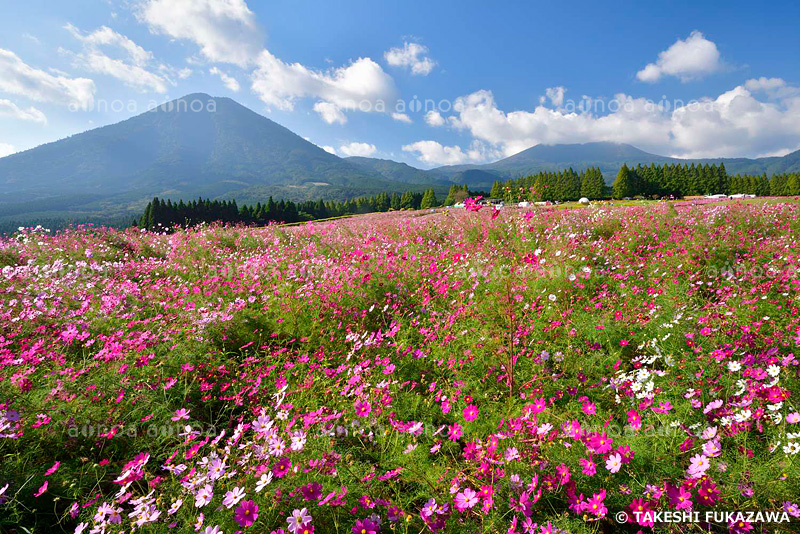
(653, 181)
(166, 214)
(642, 181)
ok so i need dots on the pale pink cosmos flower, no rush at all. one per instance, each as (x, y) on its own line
(181, 413)
(233, 497)
(614, 462)
(698, 466)
(204, 496)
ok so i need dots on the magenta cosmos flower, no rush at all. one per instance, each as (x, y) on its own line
(246, 513)
(365, 526)
(466, 499)
(363, 408)
(471, 412)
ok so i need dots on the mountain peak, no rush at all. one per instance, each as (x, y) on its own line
(194, 145)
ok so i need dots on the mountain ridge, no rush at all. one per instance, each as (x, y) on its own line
(609, 161)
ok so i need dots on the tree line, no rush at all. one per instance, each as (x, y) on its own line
(553, 186)
(161, 213)
(649, 181)
(687, 180)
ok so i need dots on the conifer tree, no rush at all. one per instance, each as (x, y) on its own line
(622, 184)
(406, 201)
(428, 199)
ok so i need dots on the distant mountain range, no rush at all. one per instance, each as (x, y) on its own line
(225, 150)
(609, 157)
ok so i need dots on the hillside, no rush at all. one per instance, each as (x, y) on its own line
(172, 151)
(394, 171)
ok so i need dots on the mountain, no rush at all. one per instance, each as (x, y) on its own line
(196, 145)
(609, 157)
(394, 171)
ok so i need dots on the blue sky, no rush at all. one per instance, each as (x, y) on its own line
(347, 75)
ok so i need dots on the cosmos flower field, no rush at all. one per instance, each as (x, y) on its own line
(458, 371)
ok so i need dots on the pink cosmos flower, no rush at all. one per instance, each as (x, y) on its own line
(42, 489)
(182, 413)
(204, 496)
(634, 419)
(466, 499)
(614, 463)
(298, 520)
(638, 512)
(52, 469)
(454, 432)
(791, 509)
(712, 449)
(471, 412)
(232, 498)
(713, 405)
(363, 408)
(589, 467)
(679, 497)
(600, 443)
(698, 466)
(365, 526)
(246, 513)
(595, 505)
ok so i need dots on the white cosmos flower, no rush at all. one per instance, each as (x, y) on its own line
(791, 448)
(263, 481)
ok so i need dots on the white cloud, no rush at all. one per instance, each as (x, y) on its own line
(6, 150)
(358, 149)
(225, 30)
(402, 117)
(10, 109)
(229, 81)
(517, 130)
(330, 113)
(328, 149)
(434, 118)
(434, 153)
(412, 55)
(775, 88)
(555, 95)
(184, 73)
(363, 85)
(736, 123)
(764, 84)
(132, 71)
(105, 36)
(19, 78)
(31, 38)
(686, 59)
